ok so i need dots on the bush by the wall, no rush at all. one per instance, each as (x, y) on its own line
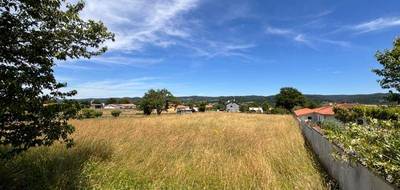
(116, 113)
(375, 143)
(356, 113)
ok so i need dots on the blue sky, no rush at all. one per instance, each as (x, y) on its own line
(235, 47)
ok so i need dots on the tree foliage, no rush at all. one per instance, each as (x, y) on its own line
(390, 72)
(266, 106)
(33, 35)
(289, 97)
(244, 108)
(112, 101)
(202, 106)
(155, 99)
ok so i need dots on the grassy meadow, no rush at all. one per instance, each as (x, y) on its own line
(198, 151)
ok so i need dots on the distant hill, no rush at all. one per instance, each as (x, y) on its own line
(376, 98)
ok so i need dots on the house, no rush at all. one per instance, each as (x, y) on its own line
(256, 110)
(111, 106)
(120, 106)
(209, 106)
(97, 106)
(232, 107)
(183, 110)
(316, 115)
(127, 106)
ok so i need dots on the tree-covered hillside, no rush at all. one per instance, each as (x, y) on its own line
(377, 98)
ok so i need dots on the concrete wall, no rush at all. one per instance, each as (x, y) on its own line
(348, 176)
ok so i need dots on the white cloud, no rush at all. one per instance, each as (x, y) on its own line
(288, 33)
(377, 24)
(71, 65)
(115, 88)
(279, 31)
(211, 49)
(128, 61)
(138, 23)
(298, 37)
(123, 60)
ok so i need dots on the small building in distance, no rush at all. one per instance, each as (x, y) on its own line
(96, 106)
(183, 110)
(232, 107)
(256, 110)
(209, 107)
(120, 106)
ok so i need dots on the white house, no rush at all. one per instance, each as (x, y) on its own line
(232, 107)
(256, 110)
(120, 106)
(183, 110)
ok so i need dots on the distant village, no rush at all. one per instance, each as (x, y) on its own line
(318, 114)
(230, 106)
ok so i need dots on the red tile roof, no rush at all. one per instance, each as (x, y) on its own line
(326, 110)
(303, 111)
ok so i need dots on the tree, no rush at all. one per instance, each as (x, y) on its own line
(219, 106)
(124, 101)
(265, 106)
(202, 107)
(390, 73)
(244, 107)
(289, 97)
(96, 101)
(34, 34)
(311, 104)
(112, 101)
(155, 99)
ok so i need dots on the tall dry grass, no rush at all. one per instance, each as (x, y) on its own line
(198, 151)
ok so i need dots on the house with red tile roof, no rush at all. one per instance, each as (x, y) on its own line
(315, 115)
(319, 114)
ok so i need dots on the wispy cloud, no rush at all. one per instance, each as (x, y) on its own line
(377, 24)
(211, 49)
(138, 23)
(71, 65)
(279, 31)
(310, 41)
(289, 33)
(107, 60)
(115, 88)
(128, 61)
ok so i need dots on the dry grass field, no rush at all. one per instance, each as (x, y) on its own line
(198, 151)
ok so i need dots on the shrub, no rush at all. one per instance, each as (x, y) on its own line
(360, 112)
(98, 113)
(375, 145)
(375, 142)
(116, 113)
(202, 107)
(89, 113)
(279, 110)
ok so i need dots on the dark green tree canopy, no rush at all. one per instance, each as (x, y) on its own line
(289, 97)
(390, 72)
(111, 101)
(155, 99)
(266, 106)
(35, 33)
